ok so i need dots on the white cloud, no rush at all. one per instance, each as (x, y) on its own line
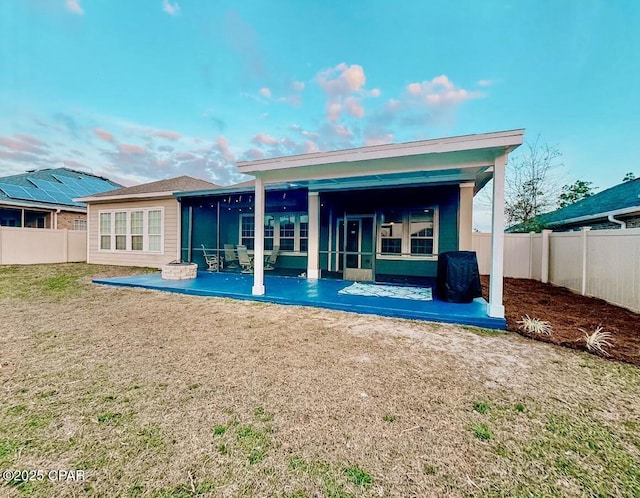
(170, 8)
(74, 6)
(439, 92)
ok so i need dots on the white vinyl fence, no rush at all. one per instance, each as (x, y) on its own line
(24, 246)
(598, 263)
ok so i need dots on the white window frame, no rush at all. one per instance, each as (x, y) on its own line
(80, 222)
(276, 231)
(406, 237)
(145, 230)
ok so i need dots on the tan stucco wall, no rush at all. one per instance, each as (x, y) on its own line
(122, 258)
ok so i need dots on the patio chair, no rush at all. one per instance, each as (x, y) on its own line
(270, 261)
(246, 261)
(230, 258)
(211, 259)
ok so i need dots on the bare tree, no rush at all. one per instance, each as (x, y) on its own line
(532, 185)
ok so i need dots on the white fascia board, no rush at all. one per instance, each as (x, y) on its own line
(124, 197)
(42, 207)
(604, 214)
(347, 170)
(505, 139)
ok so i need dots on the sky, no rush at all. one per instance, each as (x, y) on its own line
(143, 90)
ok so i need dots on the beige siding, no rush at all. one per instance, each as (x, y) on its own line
(122, 258)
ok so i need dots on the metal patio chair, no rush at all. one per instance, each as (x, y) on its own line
(230, 257)
(212, 260)
(246, 261)
(271, 260)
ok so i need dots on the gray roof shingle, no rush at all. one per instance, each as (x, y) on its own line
(178, 184)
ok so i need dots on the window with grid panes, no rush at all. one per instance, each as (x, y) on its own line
(287, 232)
(421, 231)
(155, 230)
(269, 231)
(137, 231)
(391, 232)
(121, 231)
(247, 231)
(105, 231)
(304, 232)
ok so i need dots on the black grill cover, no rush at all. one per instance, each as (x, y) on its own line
(458, 277)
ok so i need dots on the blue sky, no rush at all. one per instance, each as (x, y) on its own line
(149, 89)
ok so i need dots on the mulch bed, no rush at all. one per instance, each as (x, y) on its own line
(567, 312)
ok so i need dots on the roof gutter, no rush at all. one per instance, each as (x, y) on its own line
(40, 207)
(605, 214)
(108, 198)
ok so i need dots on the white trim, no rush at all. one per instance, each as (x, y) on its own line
(145, 230)
(405, 245)
(502, 139)
(258, 288)
(495, 308)
(107, 198)
(43, 207)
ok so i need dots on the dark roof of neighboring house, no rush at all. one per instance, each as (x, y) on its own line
(178, 184)
(52, 187)
(624, 196)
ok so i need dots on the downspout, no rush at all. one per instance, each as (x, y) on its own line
(55, 219)
(622, 224)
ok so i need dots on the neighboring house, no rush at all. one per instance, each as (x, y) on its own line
(616, 207)
(139, 225)
(380, 212)
(45, 198)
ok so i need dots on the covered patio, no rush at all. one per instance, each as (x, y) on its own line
(450, 170)
(318, 293)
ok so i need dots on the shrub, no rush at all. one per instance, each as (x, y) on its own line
(534, 326)
(597, 341)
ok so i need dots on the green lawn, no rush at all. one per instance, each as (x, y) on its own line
(164, 395)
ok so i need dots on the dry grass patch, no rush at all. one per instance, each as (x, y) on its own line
(158, 394)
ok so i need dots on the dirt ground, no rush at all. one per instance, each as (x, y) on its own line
(568, 312)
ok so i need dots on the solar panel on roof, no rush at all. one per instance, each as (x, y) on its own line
(40, 194)
(15, 191)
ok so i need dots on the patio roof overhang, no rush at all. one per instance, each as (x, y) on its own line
(468, 158)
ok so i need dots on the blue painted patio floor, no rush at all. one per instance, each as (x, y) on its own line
(321, 293)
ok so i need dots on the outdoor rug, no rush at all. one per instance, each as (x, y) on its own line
(396, 291)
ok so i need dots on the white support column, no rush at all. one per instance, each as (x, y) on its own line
(496, 307)
(179, 230)
(313, 251)
(465, 217)
(258, 248)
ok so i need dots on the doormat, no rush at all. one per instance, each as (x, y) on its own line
(395, 291)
